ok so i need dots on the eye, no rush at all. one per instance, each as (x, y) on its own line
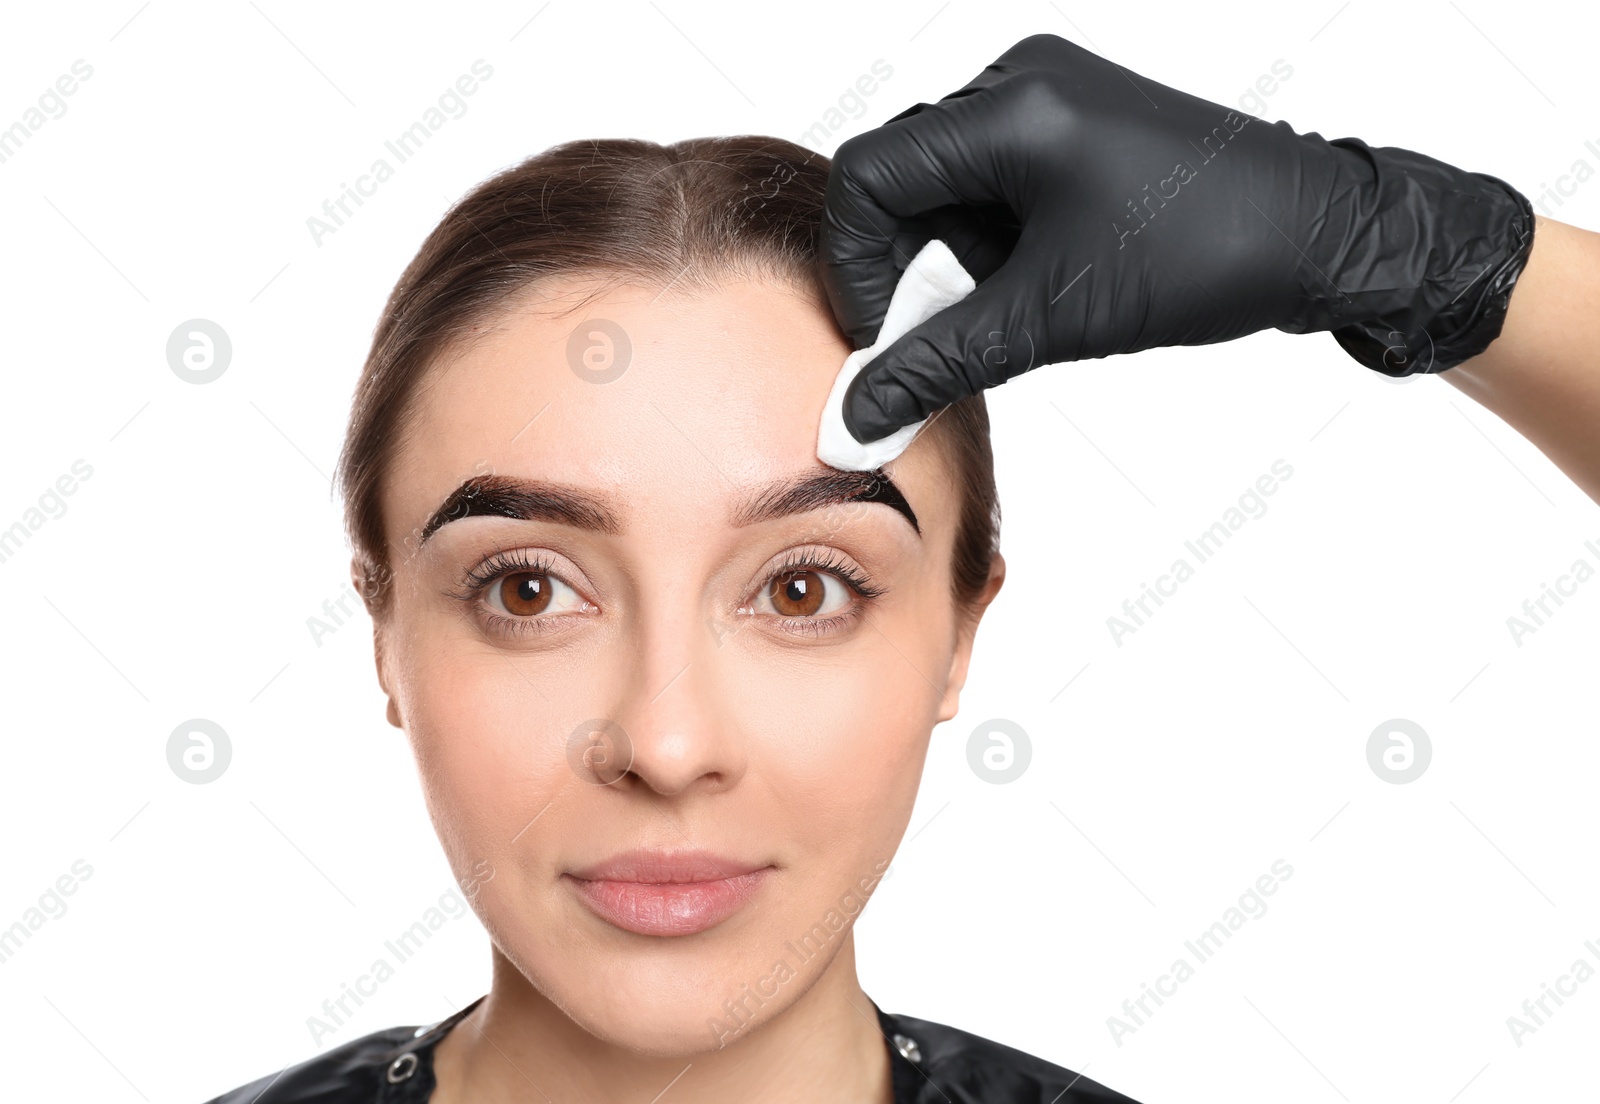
(531, 593)
(519, 592)
(816, 593)
(806, 592)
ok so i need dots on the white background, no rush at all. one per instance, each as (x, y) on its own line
(1227, 733)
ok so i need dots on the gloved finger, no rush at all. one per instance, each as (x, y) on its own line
(993, 334)
(883, 181)
(981, 237)
(934, 155)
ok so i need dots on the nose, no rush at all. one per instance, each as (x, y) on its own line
(676, 723)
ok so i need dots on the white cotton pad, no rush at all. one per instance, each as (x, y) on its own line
(933, 281)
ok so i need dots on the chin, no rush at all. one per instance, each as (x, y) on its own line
(669, 998)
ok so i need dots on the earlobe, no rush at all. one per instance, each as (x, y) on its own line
(358, 581)
(391, 710)
(966, 634)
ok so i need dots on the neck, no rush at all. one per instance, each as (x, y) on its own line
(826, 1045)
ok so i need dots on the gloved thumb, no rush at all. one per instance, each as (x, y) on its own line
(983, 340)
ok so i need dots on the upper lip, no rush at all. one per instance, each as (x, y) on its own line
(666, 867)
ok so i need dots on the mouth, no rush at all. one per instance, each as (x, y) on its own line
(664, 893)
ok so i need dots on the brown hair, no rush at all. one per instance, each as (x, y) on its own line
(691, 214)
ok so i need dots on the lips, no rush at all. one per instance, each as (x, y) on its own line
(666, 893)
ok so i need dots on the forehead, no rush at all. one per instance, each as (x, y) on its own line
(685, 398)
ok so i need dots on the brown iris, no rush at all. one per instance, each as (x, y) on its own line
(798, 593)
(525, 593)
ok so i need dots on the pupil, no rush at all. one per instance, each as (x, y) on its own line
(525, 594)
(798, 594)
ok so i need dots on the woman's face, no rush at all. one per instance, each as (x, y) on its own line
(667, 746)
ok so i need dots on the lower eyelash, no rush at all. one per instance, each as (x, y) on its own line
(521, 626)
(810, 626)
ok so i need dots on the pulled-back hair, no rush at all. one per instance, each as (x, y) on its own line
(692, 214)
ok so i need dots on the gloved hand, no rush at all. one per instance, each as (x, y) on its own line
(1102, 212)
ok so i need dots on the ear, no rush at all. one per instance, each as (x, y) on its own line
(392, 713)
(358, 580)
(967, 631)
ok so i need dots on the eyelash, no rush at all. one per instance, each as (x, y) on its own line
(864, 589)
(474, 582)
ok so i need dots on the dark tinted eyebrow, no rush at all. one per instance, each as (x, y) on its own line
(815, 489)
(525, 500)
(541, 500)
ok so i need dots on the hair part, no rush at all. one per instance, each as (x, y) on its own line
(694, 215)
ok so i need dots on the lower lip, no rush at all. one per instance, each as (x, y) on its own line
(668, 908)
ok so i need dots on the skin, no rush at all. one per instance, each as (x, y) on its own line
(763, 744)
(1541, 375)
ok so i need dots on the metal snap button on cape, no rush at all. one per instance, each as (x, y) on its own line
(908, 1048)
(402, 1067)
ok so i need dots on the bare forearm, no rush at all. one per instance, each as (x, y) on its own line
(1542, 374)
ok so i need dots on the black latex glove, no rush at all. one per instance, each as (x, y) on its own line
(1102, 212)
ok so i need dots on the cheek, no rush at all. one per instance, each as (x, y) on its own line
(489, 741)
(841, 741)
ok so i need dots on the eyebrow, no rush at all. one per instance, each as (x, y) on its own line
(542, 500)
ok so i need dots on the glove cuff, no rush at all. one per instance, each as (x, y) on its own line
(1456, 314)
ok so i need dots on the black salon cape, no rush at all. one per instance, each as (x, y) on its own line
(930, 1064)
